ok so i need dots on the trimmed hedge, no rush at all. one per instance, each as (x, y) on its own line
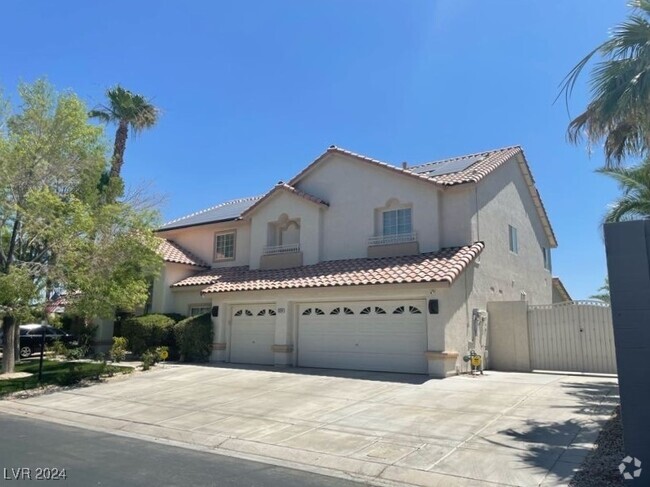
(150, 331)
(194, 338)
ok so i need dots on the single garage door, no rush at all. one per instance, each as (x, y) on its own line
(373, 335)
(252, 334)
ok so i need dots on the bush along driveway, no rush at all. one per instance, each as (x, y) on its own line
(502, 428)
(56, 373)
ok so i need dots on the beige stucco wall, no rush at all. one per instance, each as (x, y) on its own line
(164, 299)
(200, 241)
(503, 199)
(509, 336)
(355, 191)
(296, 208)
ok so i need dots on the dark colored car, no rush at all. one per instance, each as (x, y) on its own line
(30, 338)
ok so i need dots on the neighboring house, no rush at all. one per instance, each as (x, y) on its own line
(358, 264)
(560, 293)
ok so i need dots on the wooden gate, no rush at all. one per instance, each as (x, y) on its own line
(575, 336)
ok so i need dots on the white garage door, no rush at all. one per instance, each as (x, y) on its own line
(373, 335)
(252, 334)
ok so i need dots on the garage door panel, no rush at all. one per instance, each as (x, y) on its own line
(371, 335)
(252, 334)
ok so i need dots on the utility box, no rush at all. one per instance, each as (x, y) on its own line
(628, 263)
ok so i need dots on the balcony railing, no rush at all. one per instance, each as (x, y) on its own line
(281, 249)
(393, 239)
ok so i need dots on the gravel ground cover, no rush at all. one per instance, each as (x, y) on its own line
(600, 468)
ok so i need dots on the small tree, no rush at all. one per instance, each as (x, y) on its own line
(55, 227)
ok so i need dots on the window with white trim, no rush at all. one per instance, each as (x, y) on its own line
(397, 222)
(199, 309)
(546, 252)
(512, 238)
(224, 246)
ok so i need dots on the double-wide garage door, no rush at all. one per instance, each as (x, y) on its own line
(371, 335)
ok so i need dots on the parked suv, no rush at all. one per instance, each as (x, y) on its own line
(30, 338)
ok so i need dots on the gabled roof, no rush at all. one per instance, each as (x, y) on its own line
(454, 171)
(562, 291)
(470, 168)
(332, 149)
(478, 166)
(283, 187)
(170, 251)
(443, 266)
(228, 211)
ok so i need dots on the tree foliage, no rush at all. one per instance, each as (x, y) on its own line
(127, 110)
(619, 110)
(634, 203)
(56, 228)
(603, 292)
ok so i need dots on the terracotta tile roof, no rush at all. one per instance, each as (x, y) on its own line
(172, 252)
(281, 186)
(486, 162)
(444, 266)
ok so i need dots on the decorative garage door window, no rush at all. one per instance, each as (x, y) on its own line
(368, 310)
(317, 311)
(248, 312)
(346, 311)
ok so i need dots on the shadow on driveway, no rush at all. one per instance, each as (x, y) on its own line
(415, 379)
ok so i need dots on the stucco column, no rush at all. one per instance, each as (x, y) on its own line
(283, 346)
(219, 323)
(441, 358)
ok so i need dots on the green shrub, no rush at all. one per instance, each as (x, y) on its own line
(148, 359)
(118, 350)
(194, 338)
(149, 331)
(58, 348)
(77, 353)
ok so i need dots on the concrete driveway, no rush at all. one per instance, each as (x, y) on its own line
(502, 428)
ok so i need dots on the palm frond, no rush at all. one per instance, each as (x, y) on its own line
(619, 110)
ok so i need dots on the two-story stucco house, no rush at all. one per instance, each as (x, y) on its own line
(359, 264)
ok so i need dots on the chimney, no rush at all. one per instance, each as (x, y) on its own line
(405, 165)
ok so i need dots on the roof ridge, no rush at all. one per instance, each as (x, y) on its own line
(220, 205)
(465, 156)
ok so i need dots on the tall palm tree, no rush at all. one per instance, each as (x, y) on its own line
(619, 110)
(126, 110)
(635, 201)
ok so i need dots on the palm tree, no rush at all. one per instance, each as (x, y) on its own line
(619, 111)
(635, 201)
(126, 110)
(603, 292)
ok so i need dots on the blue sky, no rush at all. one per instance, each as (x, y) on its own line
(252, 91)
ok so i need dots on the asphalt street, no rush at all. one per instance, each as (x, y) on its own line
(31, 448)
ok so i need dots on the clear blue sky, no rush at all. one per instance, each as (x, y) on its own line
(251, 92)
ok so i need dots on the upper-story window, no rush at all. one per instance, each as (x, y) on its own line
(513, 240)
(546, 252)
(397, 222)
(224, 246)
